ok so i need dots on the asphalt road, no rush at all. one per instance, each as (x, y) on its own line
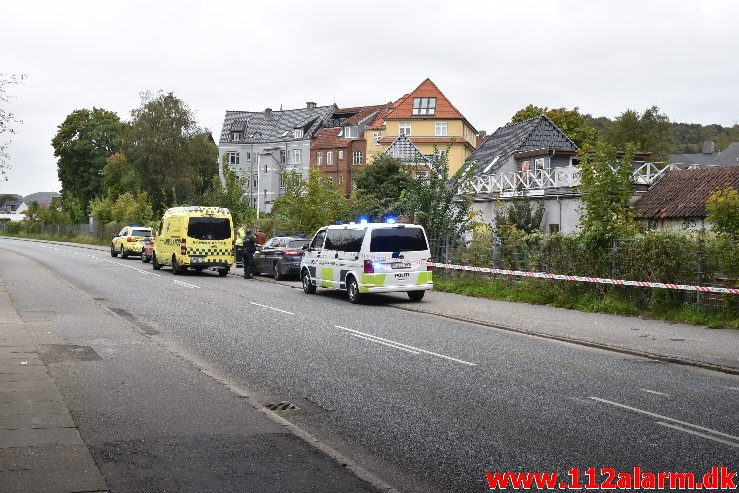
(425, 403)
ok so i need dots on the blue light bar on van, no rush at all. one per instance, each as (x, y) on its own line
(362, 220)
(390, 220)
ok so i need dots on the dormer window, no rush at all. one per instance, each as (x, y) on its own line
(236, 136)
(424, 106)
(298, 133)
(285, 133)
(351, 132)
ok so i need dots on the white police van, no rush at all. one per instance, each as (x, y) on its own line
(368, 258)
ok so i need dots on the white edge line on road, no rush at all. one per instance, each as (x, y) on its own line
(384, 343)
(666, 418)
(654, 392)
(185, 284)
(407, 346)
(697, 433)
(271, 308)
(732, 388)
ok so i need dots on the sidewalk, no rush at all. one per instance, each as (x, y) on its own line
(678, 343)
(40, 447)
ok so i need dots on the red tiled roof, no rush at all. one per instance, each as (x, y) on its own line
(379, 120)
(363, 113)
(684, 193)
(424, 140)
(427, 89)
(328, 138)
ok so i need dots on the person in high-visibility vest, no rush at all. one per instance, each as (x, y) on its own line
(239, 244)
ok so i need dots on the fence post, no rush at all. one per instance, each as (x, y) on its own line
(699, 261)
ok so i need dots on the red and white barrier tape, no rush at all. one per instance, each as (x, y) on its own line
(596, 280)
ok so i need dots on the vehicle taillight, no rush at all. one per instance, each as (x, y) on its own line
(130, 240)
(293, 253)
(428, 264)
(233, 243)
(369, 267)
(183, 246)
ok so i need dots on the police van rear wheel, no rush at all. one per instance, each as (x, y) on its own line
(308, 287)
(223, 272)
(175, 266)
(156, 265)
(416, 295)
(352, 289)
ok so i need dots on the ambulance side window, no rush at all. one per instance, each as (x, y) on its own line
(317, 243)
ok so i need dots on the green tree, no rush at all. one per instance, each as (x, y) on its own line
(571, 122)
(169, 151)
(385, 179)
(723, 212)
(7, 121)
(83, 142)
(309, 204)
(438, 203)
(119, 176)
(521, 215)
(649, 131)
(606, 188)
(129, 208)
(230, 194)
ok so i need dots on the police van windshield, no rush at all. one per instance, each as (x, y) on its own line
(398, 240)
(209, 228)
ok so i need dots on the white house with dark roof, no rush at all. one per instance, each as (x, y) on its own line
(263, 145)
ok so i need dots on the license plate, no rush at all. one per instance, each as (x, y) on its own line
(400, 265)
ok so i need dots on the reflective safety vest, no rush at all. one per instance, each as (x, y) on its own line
(240, 233)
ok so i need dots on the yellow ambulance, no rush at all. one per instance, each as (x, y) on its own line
(194, 237)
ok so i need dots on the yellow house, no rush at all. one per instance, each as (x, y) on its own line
(429, 120)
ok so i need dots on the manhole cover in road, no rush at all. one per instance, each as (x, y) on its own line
(282, 406)
(62, 353)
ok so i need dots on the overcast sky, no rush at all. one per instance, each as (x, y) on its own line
(490, 58)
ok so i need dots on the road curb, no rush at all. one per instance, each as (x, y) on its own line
(98, 248)
(580, 342)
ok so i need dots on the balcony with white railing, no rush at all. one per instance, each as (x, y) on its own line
(535, 182)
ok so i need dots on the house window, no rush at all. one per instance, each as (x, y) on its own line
(405, 128)
(376, 138)
(341, 155)
(233, 157)
(357, 157)
(439, 154)
(283, 156)
(554, 228)
(282, 180)
(298, 133)
(236, 137)
(330, 158)
(255, 180)
(422, 174)
(424, 106)
(248, 157)
(297, 156)
(441, 129)
(341, 179)
(319, 158)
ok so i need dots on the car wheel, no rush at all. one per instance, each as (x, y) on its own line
(352, 289)
(276, 272)
(416, 295)
(223, 272)
(156, 265)
(145, 258)
(175, 266)
(113, 253)
(308, 287)
(123, 253)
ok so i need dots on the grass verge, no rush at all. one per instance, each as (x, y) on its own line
(84, 240)
(578, 297)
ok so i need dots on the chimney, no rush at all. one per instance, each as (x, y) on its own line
(481, 134)
(310, 105)
(709, 147)
(268, 113)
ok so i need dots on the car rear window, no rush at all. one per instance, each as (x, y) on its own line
(209, 228)
(140, 232)
(296, 243)
(398, 240)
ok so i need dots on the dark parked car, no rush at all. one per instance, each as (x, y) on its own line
(280, 257)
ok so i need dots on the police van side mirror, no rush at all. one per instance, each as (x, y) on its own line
(306, 246)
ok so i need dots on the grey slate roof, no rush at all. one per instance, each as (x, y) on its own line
(406, 151)
(727, 157)
(535, 133)
(258, 129)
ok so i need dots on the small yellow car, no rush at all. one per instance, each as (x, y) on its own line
(129, 241)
